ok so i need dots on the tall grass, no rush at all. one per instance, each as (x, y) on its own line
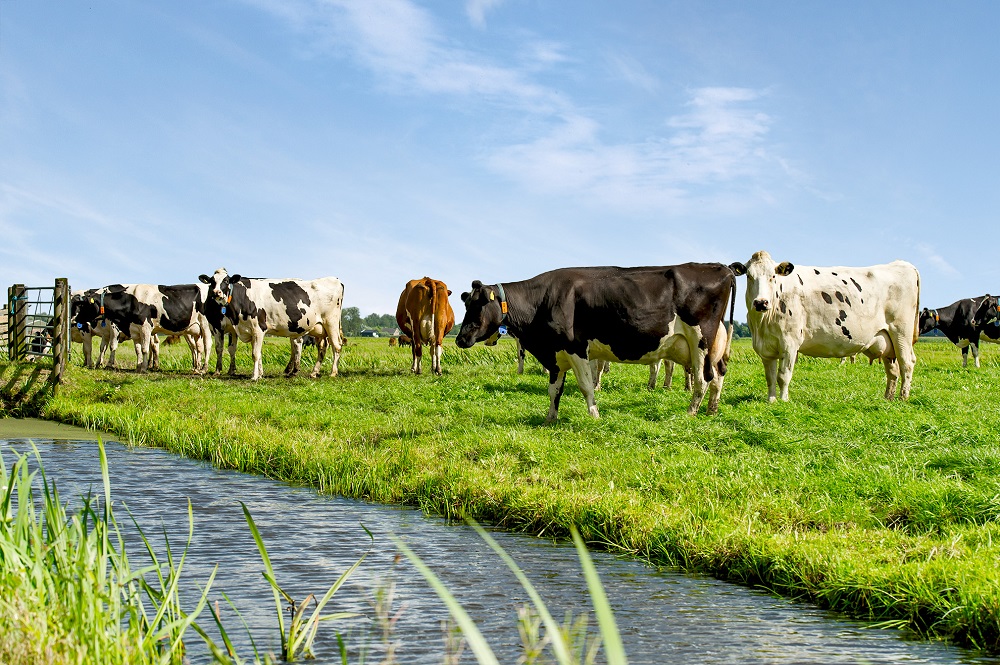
(70, 592)
(884, 510)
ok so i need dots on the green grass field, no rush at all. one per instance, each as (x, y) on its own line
(886, 511)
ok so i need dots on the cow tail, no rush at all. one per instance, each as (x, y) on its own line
(729, 333)
(916, 321)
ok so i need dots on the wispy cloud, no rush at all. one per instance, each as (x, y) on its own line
(718, 138)
(631, 70)
(932, 256)
(476, 10)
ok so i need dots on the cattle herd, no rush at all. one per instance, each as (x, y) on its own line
(570, 318)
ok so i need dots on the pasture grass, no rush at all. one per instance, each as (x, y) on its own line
(885, 511)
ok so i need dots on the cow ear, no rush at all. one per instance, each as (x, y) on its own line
(235, 278)
(738, 268)
(784, 268)
(449, 292)
(205, 279)
(476, 284)
(465, 296)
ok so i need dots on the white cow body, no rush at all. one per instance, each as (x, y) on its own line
(832, 312)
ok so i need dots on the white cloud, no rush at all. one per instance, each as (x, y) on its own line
(631, 70)
(932, 256)
(476, 10)
(719, 141)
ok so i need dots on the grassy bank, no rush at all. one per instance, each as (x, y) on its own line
(886, 511)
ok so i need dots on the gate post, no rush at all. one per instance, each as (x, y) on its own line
(60, 329)
(17, 321)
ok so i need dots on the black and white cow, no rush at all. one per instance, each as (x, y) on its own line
(290, 308)
(832, 312)
(103, 329)
(963, 322)
(569, 317)
(147, 309)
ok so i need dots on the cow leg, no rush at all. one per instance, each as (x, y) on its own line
(218, 335)
(231, 347)
(975, 353)
(257, 348)
(714, 393)
(332, 328)
(700, 385)
(786, 367)
(906, 361)
(112, 348)
(891, 376)
(585, 379)
(597, 372)
(771, 374)
(436, 358)
(965, 356)
(295, 359)
(654, 371)
(668, 377)
(142, 349)
(418, 352)
(557, 379)
(520, 358)
(153, 353)
(193, 342)
(88, 350)
(689, 379)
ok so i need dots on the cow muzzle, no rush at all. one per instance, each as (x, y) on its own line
(761, 305)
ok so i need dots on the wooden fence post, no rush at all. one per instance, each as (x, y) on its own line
(17, 321)
(60, 330)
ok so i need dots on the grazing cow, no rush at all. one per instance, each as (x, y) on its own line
(962, 322)
(147, 309)
(405, 340)
(569, 317)
(393, 341)
(290, 308)
(831, 313)
(424, 313)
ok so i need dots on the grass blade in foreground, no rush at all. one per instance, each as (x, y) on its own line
(484, 654)
(613, 649)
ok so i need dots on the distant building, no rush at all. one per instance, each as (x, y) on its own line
(367, 332)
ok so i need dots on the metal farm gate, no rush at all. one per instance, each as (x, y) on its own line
(35, 327)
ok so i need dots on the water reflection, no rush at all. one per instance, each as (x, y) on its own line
(664, 617)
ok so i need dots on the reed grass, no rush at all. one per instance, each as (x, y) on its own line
(886, 511)
(69, 592)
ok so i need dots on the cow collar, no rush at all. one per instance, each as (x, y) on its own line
(503, 302)
(937, 319)
(229, 296)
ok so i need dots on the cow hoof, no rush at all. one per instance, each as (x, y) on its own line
(314, 375)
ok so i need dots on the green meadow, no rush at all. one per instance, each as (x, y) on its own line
(885, 511)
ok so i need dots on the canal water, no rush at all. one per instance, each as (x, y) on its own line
(664, 617)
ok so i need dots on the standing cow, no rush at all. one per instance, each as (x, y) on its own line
(569, 317)
(147, 309)
(962, 322)
(426, 316)
(831, 313)
(290, 308)
(83, 334)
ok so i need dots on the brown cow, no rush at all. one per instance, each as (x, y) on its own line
(393, 341)
(425, 315)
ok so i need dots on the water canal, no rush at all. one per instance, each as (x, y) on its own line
(664, 617)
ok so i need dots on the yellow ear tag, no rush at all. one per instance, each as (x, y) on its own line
(492, 297)
(91, 301)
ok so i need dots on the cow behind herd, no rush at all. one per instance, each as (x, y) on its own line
(578, 319)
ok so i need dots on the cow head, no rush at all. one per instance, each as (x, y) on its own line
(219, 284)
(482, 315)
(927, 321)
(762, 279)
(85, 310)
(989, 311)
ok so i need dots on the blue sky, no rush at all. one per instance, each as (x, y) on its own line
(383, 140)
